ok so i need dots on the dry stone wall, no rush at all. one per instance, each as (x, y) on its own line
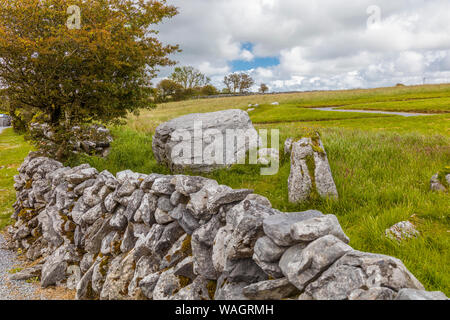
(138, 236)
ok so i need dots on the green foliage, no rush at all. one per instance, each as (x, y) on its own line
(209, 90)
(99, 72)
(189, 78)
(169, 90)
(442, 176)
(263, 88)
(238, 81)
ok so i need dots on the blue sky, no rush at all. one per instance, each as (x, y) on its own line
(244, 65)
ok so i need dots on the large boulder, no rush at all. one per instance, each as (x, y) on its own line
(196, 141)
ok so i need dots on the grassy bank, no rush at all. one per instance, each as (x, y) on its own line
(381, 164)
(13, 149)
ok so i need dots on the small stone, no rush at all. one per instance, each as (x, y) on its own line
(312, 229)
(278, 227)
(162, 217)
(414, 294)
(302, 264)
(401, 231)
(270, 290)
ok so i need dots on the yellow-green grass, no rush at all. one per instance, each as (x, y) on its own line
(13, 149)
(289, 113)
(382, 166)
(382, 178)
(148, 120)
(432, 105)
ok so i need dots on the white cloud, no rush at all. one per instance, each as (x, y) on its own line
(323, 44)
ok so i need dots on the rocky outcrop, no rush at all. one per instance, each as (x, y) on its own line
(137, 236)
(200, 142)
(93, 140)
(310, 170)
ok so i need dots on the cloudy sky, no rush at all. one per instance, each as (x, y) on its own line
(312, 45)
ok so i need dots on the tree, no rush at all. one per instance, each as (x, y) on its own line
(263, 88)
(238, 81)
(168, 88)
(232, 82)
(209, 90)
(246, 82)
(73, 74)
(189, 77)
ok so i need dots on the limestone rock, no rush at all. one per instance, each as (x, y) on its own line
(197, 290)
(180, 250)
(358, 270)
(148, 284)
(310, 171)
(437, 185)
(414, 294)
(312, 229)
(267, 155)
(120, 274)
(185, 268)
(244, 270)
(227, 290)
(278, 227)
(178, 134)
(267, 250)
(270, 290)
(401, 231)
(302, 264)
(377, 293)
(168, 284)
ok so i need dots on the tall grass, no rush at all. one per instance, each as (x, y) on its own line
(382, 178)
(13, 149)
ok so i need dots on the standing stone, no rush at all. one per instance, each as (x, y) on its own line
(310, 171)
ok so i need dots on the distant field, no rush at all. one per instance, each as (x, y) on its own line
(430, 99)
(382, 164)
(432, 105)
(289, 113)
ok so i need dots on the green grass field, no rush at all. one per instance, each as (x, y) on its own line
(13, 149)
(382, 164)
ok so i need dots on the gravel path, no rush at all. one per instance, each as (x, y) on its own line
(9, 289)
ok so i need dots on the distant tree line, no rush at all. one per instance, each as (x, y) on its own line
(187, 82)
